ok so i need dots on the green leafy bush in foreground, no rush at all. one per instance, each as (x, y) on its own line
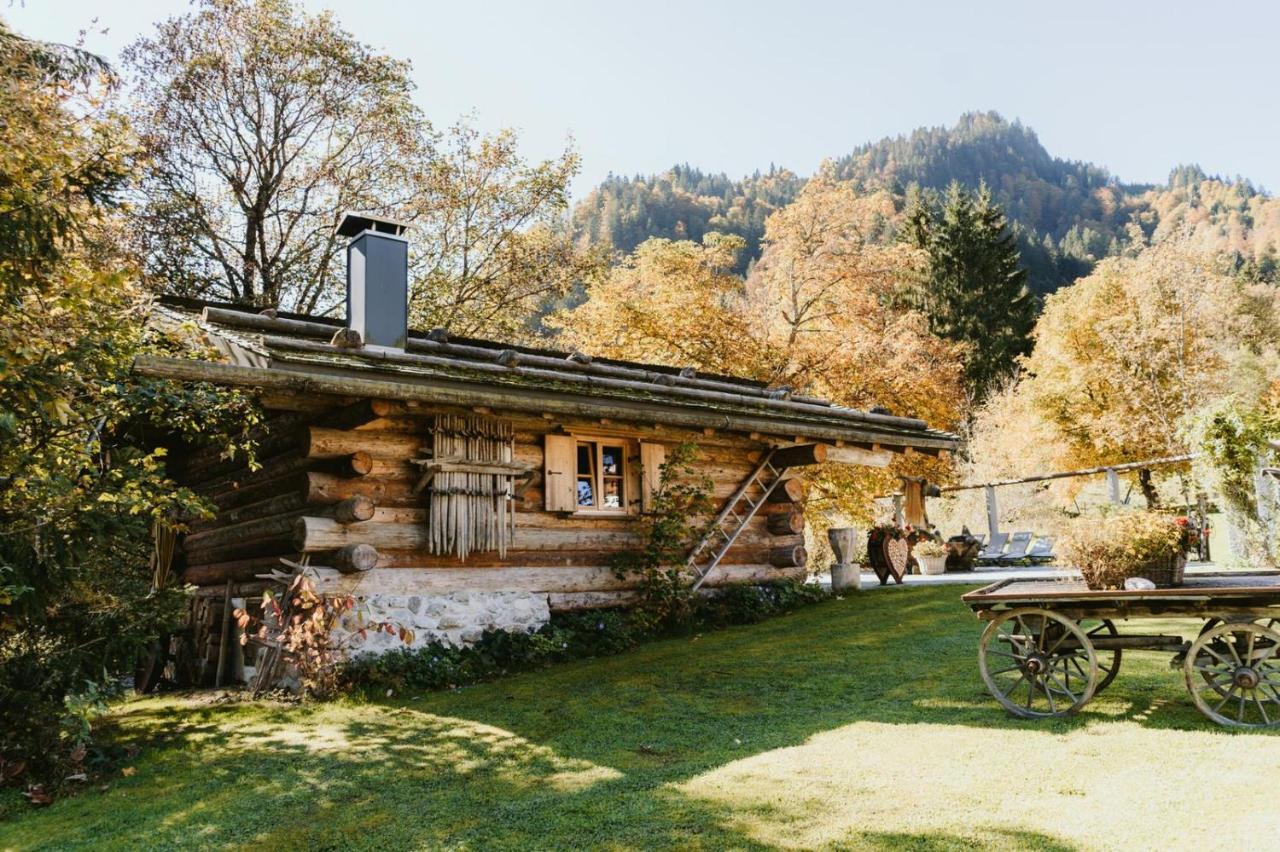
(83, 441)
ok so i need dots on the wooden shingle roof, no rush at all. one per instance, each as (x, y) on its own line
(304, 353)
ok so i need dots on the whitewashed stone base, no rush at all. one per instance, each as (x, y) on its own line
(456, 619)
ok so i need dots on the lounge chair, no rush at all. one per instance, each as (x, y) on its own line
(1042, 550)
(992, 551)
(1017, 548)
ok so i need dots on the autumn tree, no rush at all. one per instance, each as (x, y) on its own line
(974, 290)
(82, 474)
(669, 302)
(1235, 437)
(1124, 356)
(824, 302)
(261, 123)
(816, 314)
(492, 244)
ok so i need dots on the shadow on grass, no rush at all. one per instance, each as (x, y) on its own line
(586, 754)
(942, 842)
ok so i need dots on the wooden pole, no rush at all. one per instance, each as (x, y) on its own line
(1113, 486)
(797, 456)
(786, 523)
(993, 513)
(355, 558)
(1066, 474)
(1202, 508)
(788, 557)
(226, 636)
(354, 509)
(788, 491)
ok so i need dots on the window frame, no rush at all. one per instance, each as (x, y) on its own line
(598, 476)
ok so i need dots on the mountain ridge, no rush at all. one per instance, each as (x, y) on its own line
(1066, 214)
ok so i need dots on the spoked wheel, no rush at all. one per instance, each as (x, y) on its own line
(1038, 664)
(1220, 686)
(1108, 659)
(1233, 674)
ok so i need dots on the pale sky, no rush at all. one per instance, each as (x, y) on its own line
(1136, 87)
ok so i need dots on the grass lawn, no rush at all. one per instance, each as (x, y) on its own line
(859, 723)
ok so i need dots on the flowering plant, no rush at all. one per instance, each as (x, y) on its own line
(1130, 544)
(304, 627)
(1191, 533)
(880, 532)
(930, 549)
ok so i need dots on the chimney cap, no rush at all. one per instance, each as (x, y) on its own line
(353, 223)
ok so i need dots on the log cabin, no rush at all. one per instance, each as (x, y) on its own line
(458, 485)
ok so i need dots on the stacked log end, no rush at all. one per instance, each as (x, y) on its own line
(305, 469)
(790, 490)
(786, 523)
(354, 558)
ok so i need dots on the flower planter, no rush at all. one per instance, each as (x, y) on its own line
(1165, 573)
(932, 565)
(1114, 549)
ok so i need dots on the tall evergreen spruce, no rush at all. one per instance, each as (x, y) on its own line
(975, 290)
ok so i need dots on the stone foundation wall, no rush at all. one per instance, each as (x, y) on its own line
(456, 619)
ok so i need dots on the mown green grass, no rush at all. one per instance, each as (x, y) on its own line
(860, 723)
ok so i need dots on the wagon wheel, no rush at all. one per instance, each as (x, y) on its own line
(1233, 674)
(1038, 664)
(1108, 660)
(1219, 686)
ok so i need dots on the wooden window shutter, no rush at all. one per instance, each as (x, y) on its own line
(560, 458)
(652, 457)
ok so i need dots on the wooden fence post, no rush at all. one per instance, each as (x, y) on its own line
(1113, 486)
(993, 514)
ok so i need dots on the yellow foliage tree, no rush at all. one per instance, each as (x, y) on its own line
(1123, 357)
(816, 314)
(669, 302)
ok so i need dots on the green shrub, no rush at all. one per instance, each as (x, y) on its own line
(568, 636)
(82, 439)
(749, 604)
(496, 653)
(665, 589)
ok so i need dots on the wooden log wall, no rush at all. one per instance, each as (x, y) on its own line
(337, 484)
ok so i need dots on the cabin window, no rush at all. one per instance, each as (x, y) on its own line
(596, 474)
(601, 476)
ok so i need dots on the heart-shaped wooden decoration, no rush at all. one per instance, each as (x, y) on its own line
(896, 553)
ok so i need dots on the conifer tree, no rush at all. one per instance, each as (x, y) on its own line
(974, 291)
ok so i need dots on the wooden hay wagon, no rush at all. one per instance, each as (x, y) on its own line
(1051, 645)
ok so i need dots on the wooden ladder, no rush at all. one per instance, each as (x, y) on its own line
(732, 520)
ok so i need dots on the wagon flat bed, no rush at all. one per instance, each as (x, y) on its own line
(1233, 591)
(1050, 645)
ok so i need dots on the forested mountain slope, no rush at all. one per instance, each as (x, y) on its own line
(1067, 214)
(683, 203)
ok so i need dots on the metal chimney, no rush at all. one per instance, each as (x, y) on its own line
(377, 279)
